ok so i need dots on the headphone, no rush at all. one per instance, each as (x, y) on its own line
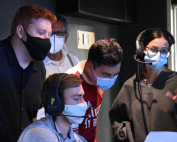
(55, 104)
(139, 56)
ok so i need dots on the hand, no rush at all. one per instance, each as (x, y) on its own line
(172, 96)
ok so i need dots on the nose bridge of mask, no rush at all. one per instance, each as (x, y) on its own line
(106, 79)
(57, 43)
(152, 57)
(52, 49)
(156, 58)
(76, 110)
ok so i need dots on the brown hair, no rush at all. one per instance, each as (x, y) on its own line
(68, 81)
(105, 52)
(26, 13)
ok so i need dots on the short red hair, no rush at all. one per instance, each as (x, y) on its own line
(26, 13)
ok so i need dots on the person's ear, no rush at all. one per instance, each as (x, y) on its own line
(66, 38)
(20, 31)
(89, 65)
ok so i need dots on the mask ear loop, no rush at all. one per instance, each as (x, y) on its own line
(91, 76)
(168, 54)
(66, 50)
(54, 43)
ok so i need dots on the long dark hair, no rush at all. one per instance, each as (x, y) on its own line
(154, 33)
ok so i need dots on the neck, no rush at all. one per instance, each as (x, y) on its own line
(87, 71)
(55, 57)
(63, 124)
(21, 52)
(151, 75)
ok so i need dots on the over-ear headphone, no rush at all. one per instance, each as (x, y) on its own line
(55, 105)
(140, 46)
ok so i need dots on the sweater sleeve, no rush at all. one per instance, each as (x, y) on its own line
(38, 135)
(120, 113)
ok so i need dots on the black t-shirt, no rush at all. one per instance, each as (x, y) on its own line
(20, 92)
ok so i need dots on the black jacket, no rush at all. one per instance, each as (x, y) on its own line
(20, 92)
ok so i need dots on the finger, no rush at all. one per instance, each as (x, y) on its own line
(169, 95)
(175, 91)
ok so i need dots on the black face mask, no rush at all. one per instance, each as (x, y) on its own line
(38, 48)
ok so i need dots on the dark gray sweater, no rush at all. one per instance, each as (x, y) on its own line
(158, 112)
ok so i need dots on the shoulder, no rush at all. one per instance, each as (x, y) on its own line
(3, 45)
(3, 42)
(74, 69)
(79, 138)
(39, 66)
(39, 134)
(40, 131)
(129, 82)
(74, 58)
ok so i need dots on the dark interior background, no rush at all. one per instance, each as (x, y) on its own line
(149, 14)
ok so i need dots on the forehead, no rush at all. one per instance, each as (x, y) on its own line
(58, 26)
(158, 42)
(109, 69)
(40, 23)
(70, 92)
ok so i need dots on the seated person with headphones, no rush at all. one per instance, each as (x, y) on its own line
(63, 101)
(142, 104)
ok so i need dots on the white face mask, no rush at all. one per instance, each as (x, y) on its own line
(56, 44)
(156, 59)
(105, 83)
(75, 110)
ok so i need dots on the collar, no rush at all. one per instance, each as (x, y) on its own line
(70, 134)
(81, 66)
(12, 59)
(11, 53)
(48, 61)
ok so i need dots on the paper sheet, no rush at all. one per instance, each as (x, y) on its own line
(161, 136)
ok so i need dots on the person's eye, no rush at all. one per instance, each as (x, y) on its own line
(76, 99)
(106, 75)
(154, 49)
(40, 32)
(164, 51)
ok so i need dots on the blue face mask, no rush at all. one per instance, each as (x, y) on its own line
(105, 83)
(156, 59)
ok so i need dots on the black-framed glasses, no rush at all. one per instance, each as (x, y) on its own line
(59, 33)
(164, 52)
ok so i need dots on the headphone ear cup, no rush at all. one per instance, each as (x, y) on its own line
(55, 104)
(61, 103)
(140, 51)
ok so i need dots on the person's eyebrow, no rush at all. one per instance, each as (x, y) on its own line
(111, 74)
(78, 95)
(157, 47)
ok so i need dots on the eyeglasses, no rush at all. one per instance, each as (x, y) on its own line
(164, 52)
(59, 33)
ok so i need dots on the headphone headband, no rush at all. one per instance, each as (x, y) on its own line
(140, 46)
(55, 103)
